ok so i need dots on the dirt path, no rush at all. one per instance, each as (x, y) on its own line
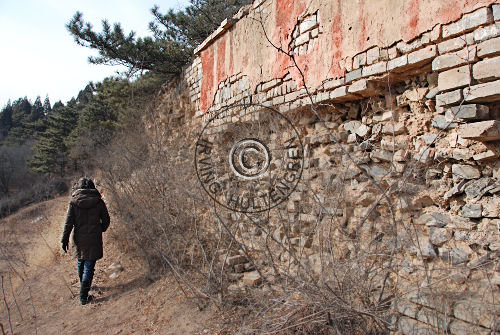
(41, 285)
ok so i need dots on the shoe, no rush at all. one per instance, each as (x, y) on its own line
(84, 292)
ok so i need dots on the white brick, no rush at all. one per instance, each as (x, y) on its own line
(487, 70)
(363, 87)
(333, 83)
(496, 12)
(452, 45)
(454, 59)
(449, 98)
(468, 22)
(302, 39)
(307, 24)
(423, 55)
(487, 32)
(353, 75)
(374, 69)
(487, 92)
(454, 78)
(397, 63)
(489, 48)
(372, 55)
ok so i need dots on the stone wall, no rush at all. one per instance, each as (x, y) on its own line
(412, 100)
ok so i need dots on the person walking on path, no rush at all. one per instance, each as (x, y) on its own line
(88, 216)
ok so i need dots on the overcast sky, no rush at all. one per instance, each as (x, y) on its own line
(38, 56)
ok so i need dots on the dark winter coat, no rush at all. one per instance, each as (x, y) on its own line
(88, 215)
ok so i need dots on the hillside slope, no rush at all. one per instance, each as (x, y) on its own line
(41, 285)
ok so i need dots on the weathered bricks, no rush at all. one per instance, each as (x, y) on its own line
(484, 131)
(489, 48)
(372, 55)
(467, 112)
(496, 12)
(485, 33)
(397, 64)
(422, 56)
(453, 44)
(449, 98)
(454, 78)
(454, 59)
(487, 70)
(468, 22)
(363, 87)
(341, 94)
(486, 92)
(374, 69)
(359, 60)
(353, 75)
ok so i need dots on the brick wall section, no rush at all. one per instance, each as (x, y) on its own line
(442, 111)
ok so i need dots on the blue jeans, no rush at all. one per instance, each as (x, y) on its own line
(86, 270)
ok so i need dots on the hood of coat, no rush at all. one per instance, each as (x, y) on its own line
(85, 198)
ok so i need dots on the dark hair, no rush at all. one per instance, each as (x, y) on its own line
(85, 183)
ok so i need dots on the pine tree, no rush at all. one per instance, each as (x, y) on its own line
(175, 35)
(46, 106)
(5, 120)
(51, 151)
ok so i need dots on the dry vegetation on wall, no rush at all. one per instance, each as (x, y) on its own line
(393, 227)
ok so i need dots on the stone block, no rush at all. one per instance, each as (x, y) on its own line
(234, 260)
(458, 327)
(467, 112)
(449, 98)
(454, 59)
(483, 131)
(422, 56)
(397, 128)
(431, 317)
(465, 171)
(252, 279)
(441, 122)
(477, 188)
(382, 155)
(375, 69)
(454, 78)
(491, 209)
(489, 48)
(487, 92)
(413, 327)
(455, 256)
(434, 219)
(476, 312)
(487, 70)
(472, 211)
(439, 236)
(407, 308)
(468, 22)
(489, 155)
